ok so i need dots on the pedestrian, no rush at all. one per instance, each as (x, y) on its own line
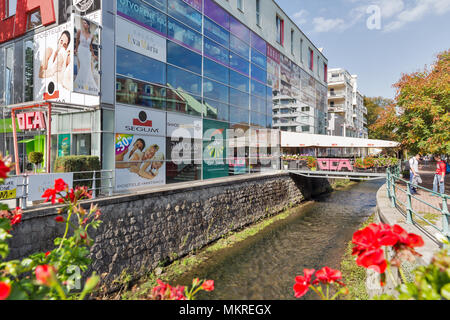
(439, 177)
(413, 173)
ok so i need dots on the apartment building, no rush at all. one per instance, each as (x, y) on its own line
(346, 110)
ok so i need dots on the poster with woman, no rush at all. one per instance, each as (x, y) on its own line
(140, 161)
(86, 56)
(53, 63)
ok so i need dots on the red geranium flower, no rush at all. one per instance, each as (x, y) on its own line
(373, 259)
(50, 194)
(60, 185)
(302, 283)
(5, 290)
(328, 275)
(4, 170)
(16, 219)
(208, 285)
(59, 219)
(44, 274)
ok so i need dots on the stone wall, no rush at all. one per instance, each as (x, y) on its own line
(141, 230)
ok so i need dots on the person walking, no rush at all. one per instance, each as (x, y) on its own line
(439, 177)
(413, 172)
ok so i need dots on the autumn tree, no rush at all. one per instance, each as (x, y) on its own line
(375, 107)
(420, 115)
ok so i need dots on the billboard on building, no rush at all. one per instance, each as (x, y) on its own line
(140, 161)
(53, 63)
(67, 7)
(140, 40)
(86, 62)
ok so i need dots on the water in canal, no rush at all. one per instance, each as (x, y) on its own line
(264, 267)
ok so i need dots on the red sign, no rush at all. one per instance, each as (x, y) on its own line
(15, 26)
(273, 53)
(31, 121)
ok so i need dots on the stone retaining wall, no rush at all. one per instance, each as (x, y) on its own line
(141, 230)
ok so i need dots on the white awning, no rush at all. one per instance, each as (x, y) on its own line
(295, 139)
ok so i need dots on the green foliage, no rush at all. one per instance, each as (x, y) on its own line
(420, 120)
(36, 157)
(375, 107)
(79, 164)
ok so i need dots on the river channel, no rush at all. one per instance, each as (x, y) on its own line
(264, 266)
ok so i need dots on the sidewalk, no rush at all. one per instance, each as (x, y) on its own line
(426, 211)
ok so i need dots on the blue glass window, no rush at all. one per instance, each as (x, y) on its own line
(269, 94)
(143, 14)
(269, 105)
(259, 59)
(140, 93)
(183, 12)
(216, 52)
(258, 89)
(216, 110)
(238, 115)
(180, 79)
(185, 35)
(269, 121)
(239, 46)
(135, 65)
(259, 74)
(213, 31)
(160, 4)
(258, 119)
(239, 98)
(239, 81)
(259, 105)
(215, 71)
(239, 64)
(184, 58)
(183, 102)
(215, 90)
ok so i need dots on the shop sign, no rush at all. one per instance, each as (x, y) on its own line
(132, 120)
(179, 126)
(31, 121)
(140, 40)
(16, 26)
(334, 164)
(10, 190)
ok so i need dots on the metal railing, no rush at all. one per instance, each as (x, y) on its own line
(393, 187)
(94, 180)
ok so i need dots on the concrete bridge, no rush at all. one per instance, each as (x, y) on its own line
(339, 175)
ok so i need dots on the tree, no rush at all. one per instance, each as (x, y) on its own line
(420, 118)
(375, 106)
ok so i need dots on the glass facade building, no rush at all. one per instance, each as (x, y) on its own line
(186, 90)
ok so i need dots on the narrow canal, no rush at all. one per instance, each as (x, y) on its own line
(316, 235)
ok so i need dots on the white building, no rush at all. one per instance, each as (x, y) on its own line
(346, 110)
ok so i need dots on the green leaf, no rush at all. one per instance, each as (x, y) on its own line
(445, 291)
(5, 224)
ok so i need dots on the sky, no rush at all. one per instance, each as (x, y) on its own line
(378, 40)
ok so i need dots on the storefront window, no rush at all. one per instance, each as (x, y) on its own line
(9, 72)
(28, 70)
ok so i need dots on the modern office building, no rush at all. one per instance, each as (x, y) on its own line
(346, 110)
(143, 83)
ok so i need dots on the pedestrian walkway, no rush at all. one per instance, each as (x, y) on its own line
(418, 201)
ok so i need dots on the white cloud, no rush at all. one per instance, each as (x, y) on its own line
(325, 25)
(417, 11)
(300, 17)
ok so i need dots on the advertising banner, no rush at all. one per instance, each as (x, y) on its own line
(53, 63)
(86, 56)
(183, 126)
(64, 145)
(66, 7)
(143, 121)
(215, 164)
(41, 182)
(10, 189)
(140, 40)
(140, 161)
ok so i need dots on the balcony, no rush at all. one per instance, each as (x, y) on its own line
(340, 94)
(336, 108)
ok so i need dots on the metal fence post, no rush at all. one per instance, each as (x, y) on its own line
(94, 186)
(111, 184)
(25, 191)
(409, 219)
(393, 194)
(445, 217)
(388, 183)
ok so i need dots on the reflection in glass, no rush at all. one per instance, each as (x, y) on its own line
(216, 110)
(239, 81)
(183, 80)
(215, 71)
(184, 13)
(183, 57)
(140, 93)
(137, 66)
(183, 102)
(185, 35)
(144, 14)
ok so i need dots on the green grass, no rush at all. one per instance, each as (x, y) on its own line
(341, 183)
(353, 275)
